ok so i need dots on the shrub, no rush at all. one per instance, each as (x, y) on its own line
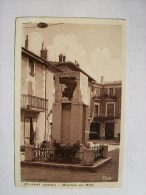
(44, 144)
(66, 152)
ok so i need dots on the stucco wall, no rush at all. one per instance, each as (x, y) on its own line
(39, 80)
(24, 75)
(41, 127)
(117, 127)
(50, 89)
(50, 96)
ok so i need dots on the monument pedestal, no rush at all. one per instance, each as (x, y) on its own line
(69, 123)
(71, 108)
(56, 126)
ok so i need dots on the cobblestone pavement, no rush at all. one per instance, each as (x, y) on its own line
(107, 173)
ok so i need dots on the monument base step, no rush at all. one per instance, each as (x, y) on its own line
(99, 163)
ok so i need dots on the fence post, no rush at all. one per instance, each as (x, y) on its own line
(89, 157)
(80, 153)
(29, 153)
(81, 148)
(50, 146)
(105, 151)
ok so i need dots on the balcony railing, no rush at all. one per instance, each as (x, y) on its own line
(106, 96)
(105, 118)
(33, 102)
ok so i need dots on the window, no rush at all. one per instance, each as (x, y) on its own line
(97, 92)
(110, 110)
(111, 91)
(30, 88)
(104, 91)
(31, 67)
(92, 89)
(96, 110)
(118, 91)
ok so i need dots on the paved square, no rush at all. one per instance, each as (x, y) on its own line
(107, 173)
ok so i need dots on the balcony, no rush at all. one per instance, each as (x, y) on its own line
(30, 102)
(105, 118)
(106, 97)
(102, 119)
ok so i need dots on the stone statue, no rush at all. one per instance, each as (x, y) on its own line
(70, 86)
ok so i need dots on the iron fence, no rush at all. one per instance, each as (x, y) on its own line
(98, 152)
(43, 154)
(50, 155)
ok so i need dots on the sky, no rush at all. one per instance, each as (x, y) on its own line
(96, 47)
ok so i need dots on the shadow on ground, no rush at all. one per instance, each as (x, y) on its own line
(107, 173)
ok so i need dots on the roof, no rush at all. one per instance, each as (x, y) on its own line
(112, 82)
(108, 83)
(54, 66)
(49, 65)
(74, 67)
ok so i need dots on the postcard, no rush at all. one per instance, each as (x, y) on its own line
(69, 102)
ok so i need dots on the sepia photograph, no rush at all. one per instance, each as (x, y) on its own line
(69, 102)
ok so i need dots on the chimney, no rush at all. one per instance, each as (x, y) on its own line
(64, 57)
(102, 79)
(61, 57)
(26, 42)
(44, 52)
(76, 63)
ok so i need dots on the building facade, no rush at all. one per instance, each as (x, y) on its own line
(105, 110)
(61, 101)
(72, 104)
(37, 97)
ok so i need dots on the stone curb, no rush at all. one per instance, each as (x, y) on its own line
(96, 165)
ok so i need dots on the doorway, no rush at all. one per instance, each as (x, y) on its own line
(29, 130)
(94, 131)
(109, 131)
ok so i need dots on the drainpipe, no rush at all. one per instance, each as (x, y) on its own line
(45, 105)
